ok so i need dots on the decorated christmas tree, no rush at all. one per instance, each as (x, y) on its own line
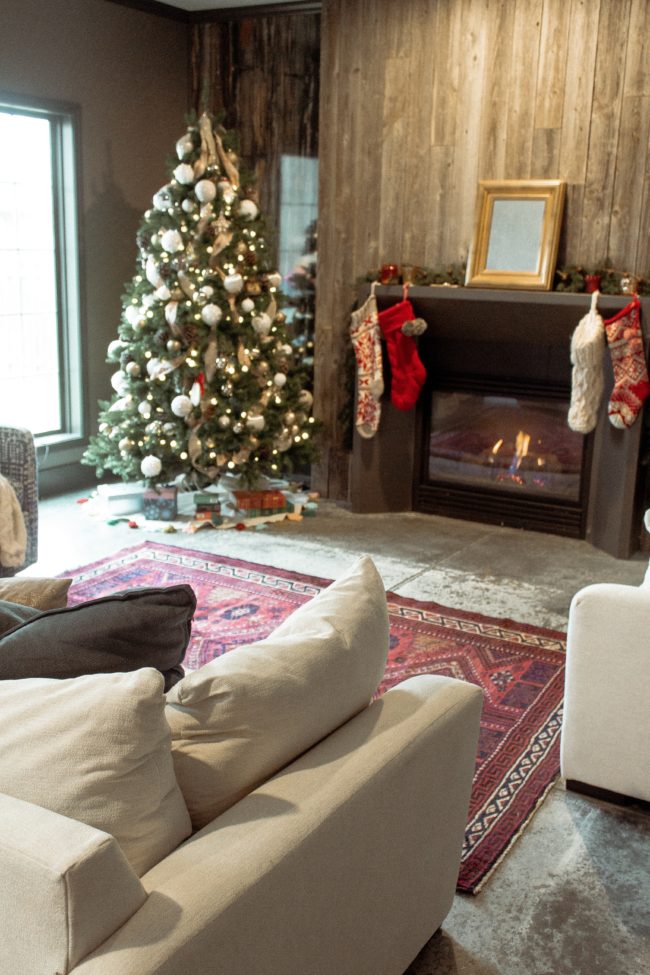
(207, 381)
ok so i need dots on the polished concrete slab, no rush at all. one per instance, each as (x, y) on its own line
(572, 895)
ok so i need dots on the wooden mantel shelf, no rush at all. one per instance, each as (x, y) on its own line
(538, 317)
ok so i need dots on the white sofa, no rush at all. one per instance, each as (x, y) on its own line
(605, 744)
(343, 862)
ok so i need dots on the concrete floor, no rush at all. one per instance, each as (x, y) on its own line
(572, 896)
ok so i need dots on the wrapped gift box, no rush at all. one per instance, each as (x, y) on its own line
(160, 504)
(256, 503)
(208, 507)
(122, 498)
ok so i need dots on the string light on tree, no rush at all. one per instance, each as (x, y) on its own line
(207, 377)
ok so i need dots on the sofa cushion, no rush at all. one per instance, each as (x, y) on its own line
(34, 591)
(246, 714)
(116, 633)
(97, 749)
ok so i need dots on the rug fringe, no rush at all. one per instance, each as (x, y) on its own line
(515, 836)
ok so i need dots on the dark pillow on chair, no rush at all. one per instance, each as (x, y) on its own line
(113, 634)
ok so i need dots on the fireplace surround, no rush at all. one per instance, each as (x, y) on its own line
(488, 440)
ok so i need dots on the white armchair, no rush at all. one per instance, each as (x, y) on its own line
(605, 742)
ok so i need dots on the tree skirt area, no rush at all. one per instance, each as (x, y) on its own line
(519, 667)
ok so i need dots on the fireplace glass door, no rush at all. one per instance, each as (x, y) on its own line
(508, 444)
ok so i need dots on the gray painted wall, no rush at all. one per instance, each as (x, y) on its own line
(128, 71)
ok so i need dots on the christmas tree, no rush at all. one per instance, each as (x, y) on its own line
(207, 380)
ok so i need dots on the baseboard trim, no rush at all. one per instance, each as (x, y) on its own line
(606, 795)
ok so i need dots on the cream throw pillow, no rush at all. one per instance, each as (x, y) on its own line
(97, 749)
(246, 714)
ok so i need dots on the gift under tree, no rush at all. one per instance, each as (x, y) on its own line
(207, 381)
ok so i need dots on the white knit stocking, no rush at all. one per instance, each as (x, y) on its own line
(587, 376)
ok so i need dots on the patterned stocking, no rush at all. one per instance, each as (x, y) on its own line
(366, 341)
(408, 373)
(631, 383)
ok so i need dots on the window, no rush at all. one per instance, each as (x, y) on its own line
(40, 371)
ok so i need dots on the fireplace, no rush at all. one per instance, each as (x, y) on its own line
(507, 451)
(489, 439)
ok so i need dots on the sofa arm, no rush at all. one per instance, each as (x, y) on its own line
(64, 888)
(344, 863)
(606, 724)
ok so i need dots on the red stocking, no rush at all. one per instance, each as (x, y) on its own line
(631, 384)
(408, 373)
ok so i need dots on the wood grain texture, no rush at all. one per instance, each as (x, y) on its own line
(262, 74)
(419, 99)
(515, 89)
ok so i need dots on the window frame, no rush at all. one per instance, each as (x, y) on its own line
(64, 118)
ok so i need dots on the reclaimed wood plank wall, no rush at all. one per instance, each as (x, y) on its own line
(262, 73)
(422, 98)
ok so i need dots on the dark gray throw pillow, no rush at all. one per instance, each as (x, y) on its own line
(113, 634)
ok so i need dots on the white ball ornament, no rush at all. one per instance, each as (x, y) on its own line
(152, 273)
(248, 209)
(188, 205)
(184, 174)
(144, 409)
(305, 398)
(255, 423)
(262, 324)
(233, 283)
(279, 379)
(283, 442)
(162, 200)
(133, 369)
(132, 315)
(148, 301)
(184, 146)
(163, 293)
(181, 405)
(118, 381)
(247, 305)
(211, 314)
(124, 443)
(205, 190)
(171, 241)
(151, 466)
(113, 350)
(274, 279)
(224, 421)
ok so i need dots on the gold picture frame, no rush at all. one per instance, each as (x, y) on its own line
(516, 234)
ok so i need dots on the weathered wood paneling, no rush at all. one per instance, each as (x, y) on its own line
(421, 98)
(263, 74)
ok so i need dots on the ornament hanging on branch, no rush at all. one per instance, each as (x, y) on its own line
(207, 372)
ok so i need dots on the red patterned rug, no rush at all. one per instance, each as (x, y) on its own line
(519, 667)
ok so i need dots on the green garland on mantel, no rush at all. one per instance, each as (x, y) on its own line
(569, 278)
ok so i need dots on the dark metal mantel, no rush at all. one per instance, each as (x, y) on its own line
(521, 336)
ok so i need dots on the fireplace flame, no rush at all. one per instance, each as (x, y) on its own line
(497, 447)
(521, 448)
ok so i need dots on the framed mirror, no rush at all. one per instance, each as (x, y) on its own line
(516, 234)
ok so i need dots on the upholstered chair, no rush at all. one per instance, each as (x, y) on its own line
(18, 465)
(605, 745)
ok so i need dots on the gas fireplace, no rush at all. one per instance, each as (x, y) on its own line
(503, 451)
(489, 440)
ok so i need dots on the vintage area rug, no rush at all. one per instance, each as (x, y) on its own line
(519, 667)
